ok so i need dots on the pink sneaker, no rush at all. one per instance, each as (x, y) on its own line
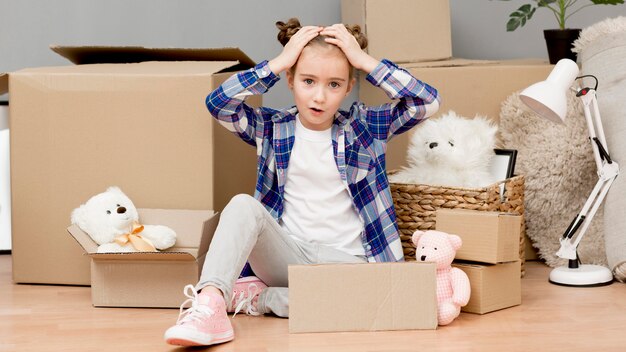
(246, 295)
(204, 323)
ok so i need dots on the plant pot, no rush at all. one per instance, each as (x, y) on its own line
(559, 43)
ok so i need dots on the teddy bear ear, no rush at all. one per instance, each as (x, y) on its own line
(416, 236)
(78, 217)
(114, 189)
(456, 241)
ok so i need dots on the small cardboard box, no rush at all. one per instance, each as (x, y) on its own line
(468, 87)
(131, 117)
(362, 297)
(488, 237)
(494, 286)
(419, 30)
(151, 279)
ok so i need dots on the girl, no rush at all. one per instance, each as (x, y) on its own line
(322, 194)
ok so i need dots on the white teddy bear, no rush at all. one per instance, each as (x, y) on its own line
(111, 219)
(450, 151)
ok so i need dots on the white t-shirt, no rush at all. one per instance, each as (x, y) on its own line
(317, 205)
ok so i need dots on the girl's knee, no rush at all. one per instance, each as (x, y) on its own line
(241, 202)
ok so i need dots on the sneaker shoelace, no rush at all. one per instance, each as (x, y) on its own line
(246, 303)
(196, 311)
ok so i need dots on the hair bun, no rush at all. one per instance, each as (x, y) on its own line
(355, 30)
(287, 30)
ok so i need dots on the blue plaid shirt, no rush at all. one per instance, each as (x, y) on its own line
(359, 136)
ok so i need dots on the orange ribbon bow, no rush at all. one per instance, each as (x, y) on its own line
(140, 243)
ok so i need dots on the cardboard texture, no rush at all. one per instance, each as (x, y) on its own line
(468, 87)
(326, 297)
(400, 37)
(4, 83)
(494, 286)
(488, 237)
(76, 130)
(125, 279)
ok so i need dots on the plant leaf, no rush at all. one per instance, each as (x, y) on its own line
(519, 17)
(546, 3)
(607, 2)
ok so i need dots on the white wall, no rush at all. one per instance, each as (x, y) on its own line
(28, 27)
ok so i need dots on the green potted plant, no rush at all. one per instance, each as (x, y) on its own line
(559, 41)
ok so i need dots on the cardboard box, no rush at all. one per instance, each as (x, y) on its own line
(151, 279)
(141, 125)
(488, 237)
(417, 30)
(468, 87)
(494, 286)
(362, 297)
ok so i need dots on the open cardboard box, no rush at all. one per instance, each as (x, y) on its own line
(362, 297)
(131, 117)
(151, 279)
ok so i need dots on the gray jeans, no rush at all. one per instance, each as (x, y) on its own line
(247, 232)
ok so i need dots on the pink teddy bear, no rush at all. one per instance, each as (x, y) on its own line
(453, 287)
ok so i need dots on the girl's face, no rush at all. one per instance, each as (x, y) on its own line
(319, 84)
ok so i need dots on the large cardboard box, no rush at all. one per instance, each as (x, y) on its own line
(362, 297)
(494, 286)
(468, 87)
(151, 279)
(488, 237)
(139, 123)
(416, 30)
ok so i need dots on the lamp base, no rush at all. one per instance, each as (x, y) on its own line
(585, 275)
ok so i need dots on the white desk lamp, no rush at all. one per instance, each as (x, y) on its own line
(548, 99)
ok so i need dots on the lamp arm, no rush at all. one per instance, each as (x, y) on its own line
(594, 126)
(607, 170)
(569, 243)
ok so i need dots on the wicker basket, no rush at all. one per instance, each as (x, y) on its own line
(416, 206)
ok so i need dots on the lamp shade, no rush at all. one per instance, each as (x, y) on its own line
(548, 98)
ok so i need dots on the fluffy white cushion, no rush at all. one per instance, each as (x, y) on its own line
(602, 52)
(557, 162)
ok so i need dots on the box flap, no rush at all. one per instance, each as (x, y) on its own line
(189, 225)
(88, 244)
(208, 231)
(128, 54)
(4, 83)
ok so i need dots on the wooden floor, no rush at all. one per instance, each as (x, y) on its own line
(551, 318)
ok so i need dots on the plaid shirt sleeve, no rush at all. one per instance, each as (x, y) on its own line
(417, 101)
(227, 105)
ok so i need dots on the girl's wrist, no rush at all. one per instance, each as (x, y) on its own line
(276, 66)
(368, 64)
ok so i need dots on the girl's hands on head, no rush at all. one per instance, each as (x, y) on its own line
(338, 35)
(289, 56)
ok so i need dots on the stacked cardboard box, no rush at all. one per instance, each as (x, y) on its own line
(489, 256)
(417, 36)
(131, 117)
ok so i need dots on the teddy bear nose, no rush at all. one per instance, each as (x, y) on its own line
(423, 258)
(121, 210)
(433, 144)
